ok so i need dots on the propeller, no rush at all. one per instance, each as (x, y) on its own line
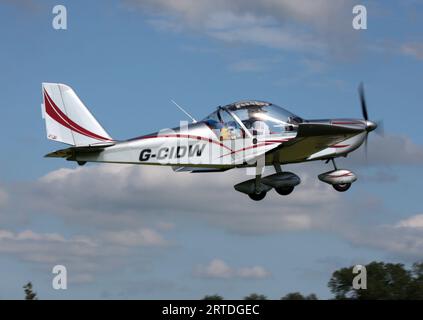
(363, 101)
(370, 125)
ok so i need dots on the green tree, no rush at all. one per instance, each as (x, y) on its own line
(385, 281)
(255, 296)
(299, 296)
(29, 293)
(213, 297)
(416, 288)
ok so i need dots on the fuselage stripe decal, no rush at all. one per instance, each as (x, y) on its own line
(270, 142)
(188, 136)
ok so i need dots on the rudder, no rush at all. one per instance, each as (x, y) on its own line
(68, 120)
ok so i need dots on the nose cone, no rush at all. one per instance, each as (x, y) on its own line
(370, 126)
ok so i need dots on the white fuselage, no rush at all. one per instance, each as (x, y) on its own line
(197, 145)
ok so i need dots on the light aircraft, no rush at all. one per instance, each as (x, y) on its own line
(242, 134)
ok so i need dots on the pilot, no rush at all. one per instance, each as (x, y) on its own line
(225, 134)
(230, 131)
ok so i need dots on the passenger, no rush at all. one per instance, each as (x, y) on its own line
(260, 128)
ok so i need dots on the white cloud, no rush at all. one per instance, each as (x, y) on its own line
(29, 235)
(126, 197)
(46, 250)
(82, 255)
(256, 272)
(123, 208)
(315, 12)
(411, 222)
(391, 47)
(219, 269)
(301, 25)
(403, 239)
(250, 29)
(389, 150)
(140, 237)
(215, 269)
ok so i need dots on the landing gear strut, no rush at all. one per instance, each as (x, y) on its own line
(258, 193)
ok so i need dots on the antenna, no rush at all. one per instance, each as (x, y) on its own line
(183, 110)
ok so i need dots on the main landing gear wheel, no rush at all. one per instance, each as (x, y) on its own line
(284, 191)
(341, 187)
(257, 196)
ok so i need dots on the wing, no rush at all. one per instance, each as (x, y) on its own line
(200, 169)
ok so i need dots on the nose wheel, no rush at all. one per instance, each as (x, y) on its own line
(341, 187)
(340, 179)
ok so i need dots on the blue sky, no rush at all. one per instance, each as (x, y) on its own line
(133, 232)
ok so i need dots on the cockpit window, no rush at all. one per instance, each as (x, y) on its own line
(260, 118)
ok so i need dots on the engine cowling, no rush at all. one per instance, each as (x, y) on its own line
(339, 176)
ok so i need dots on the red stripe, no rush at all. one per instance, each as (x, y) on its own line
(283, 140)
(70, 124)
(55, 113)
(340, 146)
(210, 140)
(188, 136)
(341, 175)
(250, 147)
(51, 110)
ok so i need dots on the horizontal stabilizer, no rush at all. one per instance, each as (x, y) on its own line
(70, 152)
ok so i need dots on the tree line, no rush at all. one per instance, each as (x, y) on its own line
(385, 281)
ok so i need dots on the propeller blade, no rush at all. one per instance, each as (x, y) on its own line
(363, 102)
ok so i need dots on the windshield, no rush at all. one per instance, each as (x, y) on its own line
(260, 118)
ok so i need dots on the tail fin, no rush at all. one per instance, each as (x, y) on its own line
(68, 120)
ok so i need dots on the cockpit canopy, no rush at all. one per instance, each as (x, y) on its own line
(258, 117)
